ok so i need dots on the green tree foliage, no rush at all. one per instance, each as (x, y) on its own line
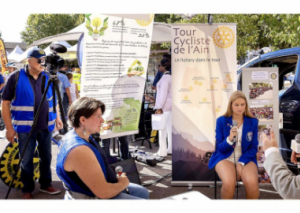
(43, 25)
(254, 31)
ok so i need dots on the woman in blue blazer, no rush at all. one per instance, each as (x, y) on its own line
(235, 154)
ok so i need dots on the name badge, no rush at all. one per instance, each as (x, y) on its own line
(249, 136)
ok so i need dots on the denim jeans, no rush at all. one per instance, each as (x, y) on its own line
(44, 147)
(135, 192)
(65, 103)
(124, 150)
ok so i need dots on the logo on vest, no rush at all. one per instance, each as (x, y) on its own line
(249, 136)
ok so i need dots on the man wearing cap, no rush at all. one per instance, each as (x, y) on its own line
(21, 99)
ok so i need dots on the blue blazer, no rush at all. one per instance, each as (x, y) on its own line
(249, 141)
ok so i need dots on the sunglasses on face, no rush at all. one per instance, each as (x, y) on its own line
(159, 65)
(39, 61)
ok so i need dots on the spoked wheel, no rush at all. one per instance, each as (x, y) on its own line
(8, 165)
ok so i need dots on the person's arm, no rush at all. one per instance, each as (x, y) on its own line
(58, 120)
(7, 96)
(284, 181)
(83, 161)
(223, 145)
(6, 115)
(2, 82)
(247, 156)
(69, 95)
(1, 86)
(77, 94)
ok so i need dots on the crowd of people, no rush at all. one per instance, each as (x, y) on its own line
(257, 91)
(22, 95)
(262, 112)
(83, 165)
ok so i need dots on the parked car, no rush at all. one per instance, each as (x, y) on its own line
(287, 61)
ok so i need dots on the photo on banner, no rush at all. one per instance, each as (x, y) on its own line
(203, 78)
(261, 85)
(115, 60)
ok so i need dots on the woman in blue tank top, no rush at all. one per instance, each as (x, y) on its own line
(81, 162)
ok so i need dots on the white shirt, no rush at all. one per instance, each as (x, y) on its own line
(239, 141)
(164, 93)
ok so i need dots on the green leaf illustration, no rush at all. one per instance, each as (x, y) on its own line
(89, 28)
(90, 33)
(88, 17)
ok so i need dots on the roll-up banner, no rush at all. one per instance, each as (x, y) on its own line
(3, 57)
(115, 60)
(203, 78)
(260, 86)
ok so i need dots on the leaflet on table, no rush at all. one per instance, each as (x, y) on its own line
(115, 60)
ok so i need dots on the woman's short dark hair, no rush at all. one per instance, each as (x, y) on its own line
(69, 75)
(166, 64)
(84, 107)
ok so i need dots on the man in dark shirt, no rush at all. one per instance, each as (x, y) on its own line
(23, 119)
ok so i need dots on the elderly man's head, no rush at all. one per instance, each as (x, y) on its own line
(36, 57)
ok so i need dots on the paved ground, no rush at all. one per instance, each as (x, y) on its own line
(147, 173)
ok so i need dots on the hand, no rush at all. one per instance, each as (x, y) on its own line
(123, 179)
(70, 102)
(10, 135)
(233, 133)
(294, 157)
(268, 143)
(59, 123)
(239, 169)
(153, 88)
(159, 111)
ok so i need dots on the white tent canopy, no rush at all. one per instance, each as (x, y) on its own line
(15, 54)
(23, 56)
(161, 33)
(73, 49)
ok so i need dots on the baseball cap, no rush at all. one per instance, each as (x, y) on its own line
(36, 53)
(11, 65)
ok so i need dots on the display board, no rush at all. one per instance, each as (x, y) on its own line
(203, 78)
(260, 86)
(114, 65)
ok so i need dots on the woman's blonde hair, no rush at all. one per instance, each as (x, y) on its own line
(236, 95)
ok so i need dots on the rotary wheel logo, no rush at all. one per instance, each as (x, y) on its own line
(273, 76)
(223, 37)
(144, 23)
(8, 163)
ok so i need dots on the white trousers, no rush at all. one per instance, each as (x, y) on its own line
(164, 148)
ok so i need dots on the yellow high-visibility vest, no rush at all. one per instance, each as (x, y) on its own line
(77, 79)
